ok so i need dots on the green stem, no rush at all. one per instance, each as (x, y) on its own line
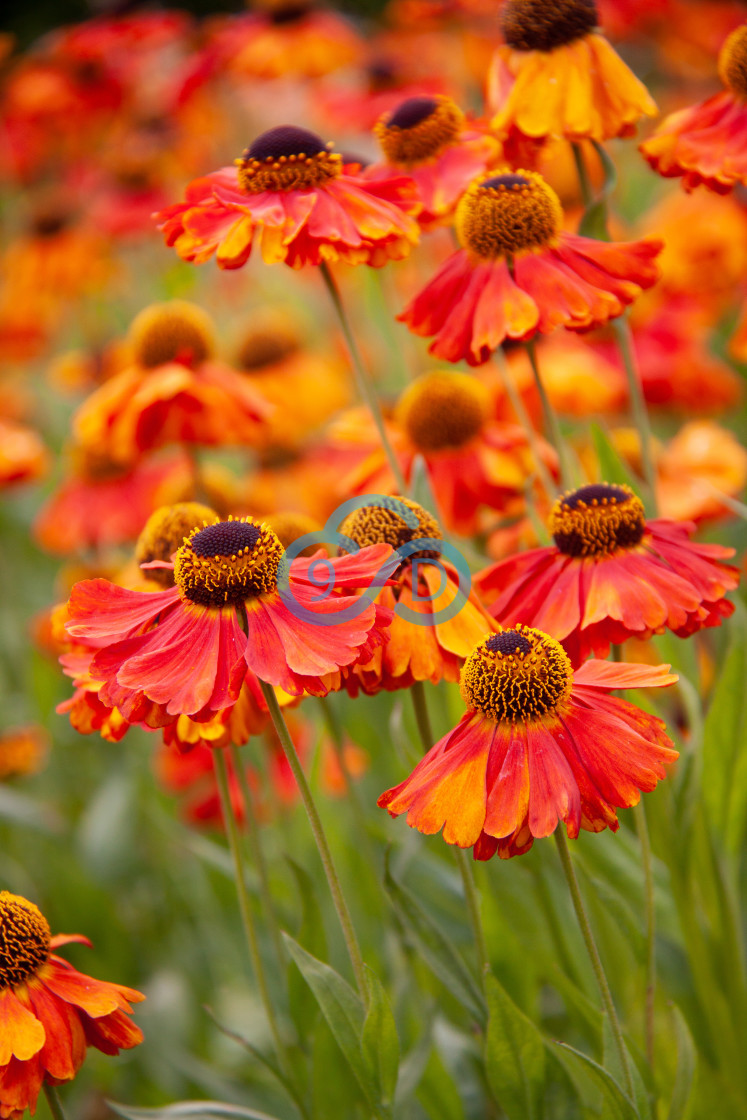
(53, 1100)
(320, 837)
(639, 814)
(522, 416)
(422, 718)
(551, 420)
(365, 384)
(245, 909)
(596, 963)
(623, 335)
(587, 194)
(258, 857)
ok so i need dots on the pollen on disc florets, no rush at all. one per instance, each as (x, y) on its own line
(507, 212)
(518, 676)
(176, 331)
(443, 410)
(386, 524)
(419, 129)
(165, 531)
(597, 520)
(287, 158)
(24, 939)
(732, 62)
(228, 562)
(542, 25)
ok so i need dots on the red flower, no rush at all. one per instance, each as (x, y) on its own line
(611, 575)
(50, 1012)
(538, 744)
(517, 273)
(429, 139)
(707, 143)
(291, 191)
(184, 649)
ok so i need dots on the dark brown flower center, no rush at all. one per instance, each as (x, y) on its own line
(24, 939)
(518, 675)
(177, 331)
(165, 531)
(387, 524)
(732, 62)
(513, 212)
(597, 520)
(419, 129)
(443, 410)
(542, 25)
(287, 158)
(228, 562)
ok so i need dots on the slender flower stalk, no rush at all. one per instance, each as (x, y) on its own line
(523, 417)
(639, 815)
(587, 195)
(53, 1100)
(365, 386)
(551, 420)
(260, 864)
(624, 338)
(596, 963)
(320, 837)
(422, 718)
(245, 909)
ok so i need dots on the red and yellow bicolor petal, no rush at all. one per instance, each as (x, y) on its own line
(703, 144)
(582, 90)
(472, 306)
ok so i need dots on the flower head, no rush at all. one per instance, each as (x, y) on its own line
(611, 575)
(50, 1012)
(186, 650)
(705, 143)
(539, 743)
(557, 75)
(429, 639)
(165, 531)
(291, 190)
(518, 273)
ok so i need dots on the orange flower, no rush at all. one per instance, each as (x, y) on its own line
(424, 648)
(304, 387)
(472, 461)
(517, 273)
(557, 75)
(611, 575)
(429, 139)
(707, 143)
(538, 744)
(22, 751)
(288, 39)
(174, 393)
(102, 504)
(23, 456)
(50, 1012)
(699, 470)
(293, 192)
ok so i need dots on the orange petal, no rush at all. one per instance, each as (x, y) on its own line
(21, 1033)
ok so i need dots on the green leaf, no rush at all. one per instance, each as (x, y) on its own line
(336, 1095)
(311, 935)
(343, 1010)
(514, 1055)
(435, 948)
(437, 1092)
(685, 1073)
(724, 754)
(194, 1110)
(380, 1042)
(591, 1080)
(611, 465)
(611, 1062)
